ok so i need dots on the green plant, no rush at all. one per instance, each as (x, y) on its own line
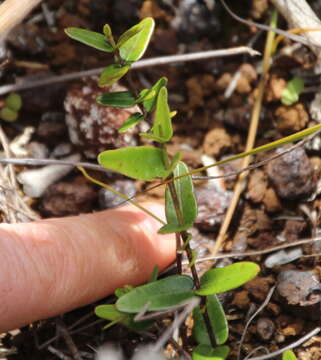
(153, 162)
(288, 355)
(10, 110)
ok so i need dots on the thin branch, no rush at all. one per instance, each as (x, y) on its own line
(293, 37)
(256, 252)
(157, 61)
(261, 307)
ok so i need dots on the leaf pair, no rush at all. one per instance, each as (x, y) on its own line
(130, 47)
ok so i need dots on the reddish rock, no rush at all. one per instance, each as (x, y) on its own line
(93, 127)
(292, 174)
(64, 199)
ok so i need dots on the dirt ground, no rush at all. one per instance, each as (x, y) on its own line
(279, 206)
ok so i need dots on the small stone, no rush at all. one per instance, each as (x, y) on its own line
(301, 292)
(37, 150)
(51, 126)
(108, 200)
(259, 287)
(275, 89)
(212, 204)
(271, 201)
(290, 119)
(63, 199)
(292, 174)
(283, 257)
(93, 127)
(61, 150)
(257, 186)
(265, 328)
(216, 142)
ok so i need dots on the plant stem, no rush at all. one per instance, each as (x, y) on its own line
(185, 238)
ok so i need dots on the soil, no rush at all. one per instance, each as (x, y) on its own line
(281, 200)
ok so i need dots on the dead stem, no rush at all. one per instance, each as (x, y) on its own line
(239, 187)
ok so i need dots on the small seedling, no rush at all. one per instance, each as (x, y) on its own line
(153, 162)
(12, 105)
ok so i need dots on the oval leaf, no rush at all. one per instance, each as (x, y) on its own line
(218, 321)
(227, 278)
(91, 38)
(185, 193)
(111, 74)
(121, 99)
(140, 162)
(13, 101)
(174, 228)
(206, 352)
(159, 295)
(162, 126)
(288, 355)
(132, 120)
(149, 104)
(109, 312)
(133, 43)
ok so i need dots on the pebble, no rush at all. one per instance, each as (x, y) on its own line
(108, 200)
(51, 126)
(292, 174)
(93, 127)
(64, 198)
(282, 257)
(212, 204)
(301, 292)
(265, 328)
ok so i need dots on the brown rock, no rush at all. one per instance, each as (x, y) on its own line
(241, 299)
(93, 127)
(291, 118)
(275, 88)
(301, 292)
(292, 174)
(271, 201)
(64, 199)
(259, 287)
(257, 186)
(265, 328)
(216, 142)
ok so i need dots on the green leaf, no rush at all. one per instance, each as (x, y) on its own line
(107, 31)
(186, 199)
(288, 355)
(174, 228)
(132, 120)
(292, 91)
(227, 278)
(111, 74)
(124, 290)
(154, 274)
(140, 162)
(149, 104)
(109, 312)
(133, 43)
(159, 295)
(145, 95)
(8, 115)
(90, 38)
(218, 321)
(206, 352)
(162, 127)
(13, 101)
(121, 99)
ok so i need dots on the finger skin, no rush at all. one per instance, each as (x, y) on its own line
(52, 266)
